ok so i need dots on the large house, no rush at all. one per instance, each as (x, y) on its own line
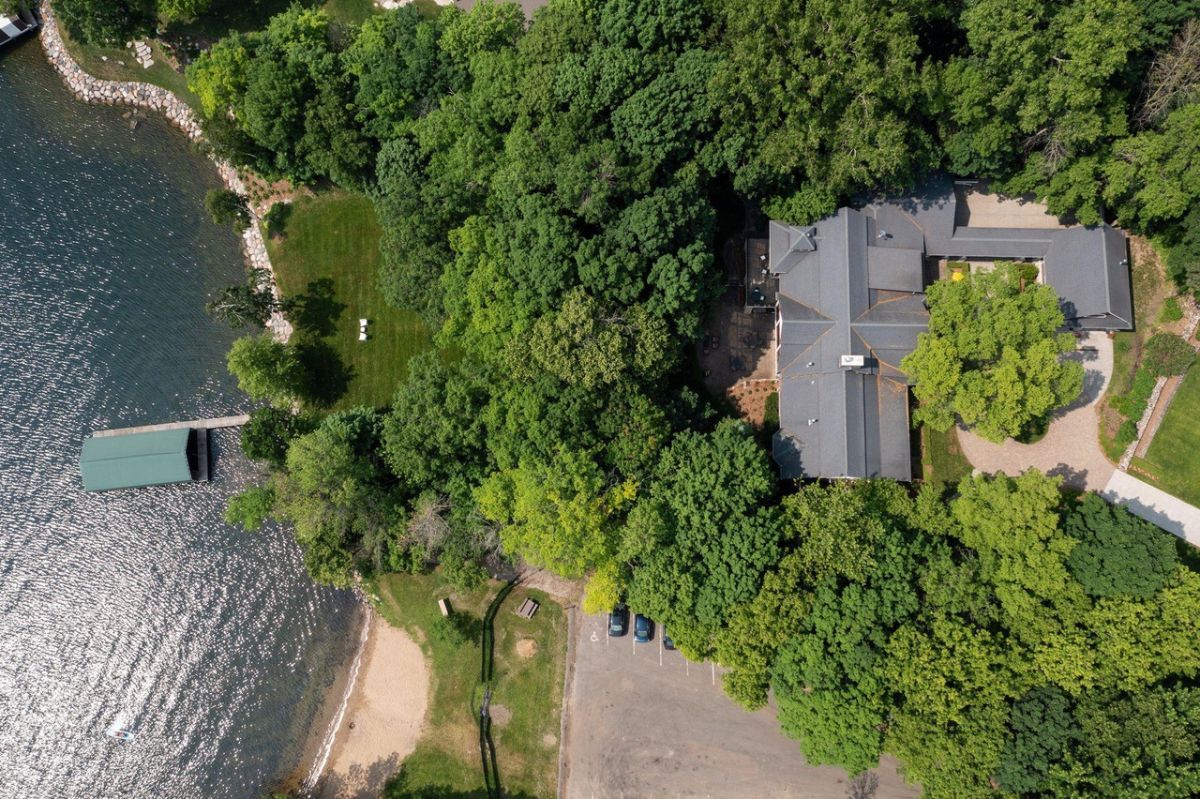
(850, 302)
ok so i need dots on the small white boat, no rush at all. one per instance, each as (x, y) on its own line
(121, 735)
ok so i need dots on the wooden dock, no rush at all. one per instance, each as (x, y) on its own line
(207, 424)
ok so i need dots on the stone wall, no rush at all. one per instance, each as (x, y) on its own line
(178, 113)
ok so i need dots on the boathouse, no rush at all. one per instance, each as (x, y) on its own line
(12, 28)
(135, 459)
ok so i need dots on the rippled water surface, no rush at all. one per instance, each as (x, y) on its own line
(139, 608)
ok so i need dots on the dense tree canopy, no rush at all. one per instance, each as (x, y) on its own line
(549, 192)
(822, 99)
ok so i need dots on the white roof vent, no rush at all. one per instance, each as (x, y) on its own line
(851, 361)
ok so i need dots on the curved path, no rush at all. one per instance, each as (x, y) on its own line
(1071, 447)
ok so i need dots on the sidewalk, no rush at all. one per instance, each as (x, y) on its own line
(1142, 499)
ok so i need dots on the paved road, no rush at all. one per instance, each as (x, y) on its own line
(644, 722)
(1071, 447)
(1154, 505)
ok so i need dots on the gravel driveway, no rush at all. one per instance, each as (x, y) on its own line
(1071, 447)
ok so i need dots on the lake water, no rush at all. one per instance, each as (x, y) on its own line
(139, 608)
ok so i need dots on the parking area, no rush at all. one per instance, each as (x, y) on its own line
(643, 721)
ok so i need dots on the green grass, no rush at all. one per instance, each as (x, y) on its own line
(941, 456)
(350, 12)
(1171, 460)
(91, 58)
(330, 252)
(1149, 296)
(226, 16)
(447, 756)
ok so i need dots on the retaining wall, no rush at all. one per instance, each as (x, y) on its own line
(155, 98)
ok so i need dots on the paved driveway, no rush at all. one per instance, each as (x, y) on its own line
(1071, 447)
(1154, 505)
(643, 722)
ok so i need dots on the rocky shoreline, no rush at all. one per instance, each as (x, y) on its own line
(155, 98)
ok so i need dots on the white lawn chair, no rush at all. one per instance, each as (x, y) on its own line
(362, 335)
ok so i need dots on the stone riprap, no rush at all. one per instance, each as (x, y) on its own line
(178, 113)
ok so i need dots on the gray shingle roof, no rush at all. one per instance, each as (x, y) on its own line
(856, 294)
(1087, 266)
(853, 285)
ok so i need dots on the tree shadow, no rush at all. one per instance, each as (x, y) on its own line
(400, 787)
(1072, 477)
(360, 782)
(469, 627)
(316, 311)
(327, 377)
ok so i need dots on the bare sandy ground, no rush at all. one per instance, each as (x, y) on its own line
(384, 717)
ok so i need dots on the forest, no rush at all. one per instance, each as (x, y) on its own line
(551, 194)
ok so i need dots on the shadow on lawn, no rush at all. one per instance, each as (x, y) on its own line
(316, 311)
(328, 377)
(399, 788)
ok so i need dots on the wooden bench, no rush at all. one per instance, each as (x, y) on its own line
(527, 609)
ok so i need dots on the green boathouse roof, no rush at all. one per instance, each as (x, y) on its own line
(135, 459)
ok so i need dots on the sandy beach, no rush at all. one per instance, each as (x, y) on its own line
(384, 717)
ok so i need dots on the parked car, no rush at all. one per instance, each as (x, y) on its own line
(643, 629)
(667, 642)
(618, 620)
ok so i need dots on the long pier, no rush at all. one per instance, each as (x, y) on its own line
(207, 424)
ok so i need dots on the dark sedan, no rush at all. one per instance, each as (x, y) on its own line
(643, 629)
(618, 621)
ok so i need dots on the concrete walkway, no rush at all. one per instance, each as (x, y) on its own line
(1154, 505)
(1071, 447)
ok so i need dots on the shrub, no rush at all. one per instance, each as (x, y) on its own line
(226, 207)
(455, 629)
(1027, 272)
(1126, 433)
(275, 220)
(1171, 311)
(265, 437)
(1133, 404)
(1166, 355)
(250, 508)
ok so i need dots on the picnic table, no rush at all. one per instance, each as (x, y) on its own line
(527, 609)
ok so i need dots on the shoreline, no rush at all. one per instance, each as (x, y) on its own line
(86, 88)
(381, 715)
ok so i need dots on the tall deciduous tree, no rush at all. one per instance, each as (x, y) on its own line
(266, 369)
(335, 492)
(701, 538)
(821, 99)
(992, 356)
(1038, 91)
(434, 437)
(561, 514)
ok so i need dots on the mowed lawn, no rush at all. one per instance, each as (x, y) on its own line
(527, 687)
(941, 458)
(1172, 460)
(328, 258)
